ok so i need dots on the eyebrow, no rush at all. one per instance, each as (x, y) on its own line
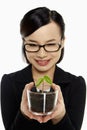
(37, 41)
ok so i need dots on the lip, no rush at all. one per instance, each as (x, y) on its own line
(42, 62)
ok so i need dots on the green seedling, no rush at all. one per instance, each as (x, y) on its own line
(41, 81)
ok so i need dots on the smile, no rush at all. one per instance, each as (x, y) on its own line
(42, 62)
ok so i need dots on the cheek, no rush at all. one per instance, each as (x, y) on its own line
(29, 56)
(57, 56)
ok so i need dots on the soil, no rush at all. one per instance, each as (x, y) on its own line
(38, 104)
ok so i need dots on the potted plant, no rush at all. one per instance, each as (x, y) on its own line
(42, 102)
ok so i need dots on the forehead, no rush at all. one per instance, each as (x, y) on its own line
(49, 31)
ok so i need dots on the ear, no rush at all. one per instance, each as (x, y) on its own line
(62, 43)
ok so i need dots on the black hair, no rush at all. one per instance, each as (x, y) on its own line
(38, 17)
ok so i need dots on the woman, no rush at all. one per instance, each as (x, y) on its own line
(42, 32)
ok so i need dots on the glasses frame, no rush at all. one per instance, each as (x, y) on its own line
(43, 47)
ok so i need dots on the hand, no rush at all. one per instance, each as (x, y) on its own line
(56, 115)
(24, 104)
(59, 110)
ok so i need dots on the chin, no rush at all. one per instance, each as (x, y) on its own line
(42, 69)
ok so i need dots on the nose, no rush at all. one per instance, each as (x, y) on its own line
(42, 53)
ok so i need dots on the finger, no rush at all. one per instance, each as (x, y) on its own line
(24, 94)
(28, 114)
(47, 118)
(29, 86)
(31, 115)
(60, 95)
(55, 87)
(39, 118)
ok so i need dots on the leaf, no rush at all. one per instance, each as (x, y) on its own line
(39, 82)
(47, 79)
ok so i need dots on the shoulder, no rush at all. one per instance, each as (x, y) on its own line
(18, 75)
(70, 84)
(66, 77)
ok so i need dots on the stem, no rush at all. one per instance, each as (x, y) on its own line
(43, 86)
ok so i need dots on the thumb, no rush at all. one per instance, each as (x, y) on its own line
(27, 87)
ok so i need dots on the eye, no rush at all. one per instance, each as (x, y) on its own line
(51, 44)
(32, 45)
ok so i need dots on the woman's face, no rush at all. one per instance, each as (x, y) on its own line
(43, 61)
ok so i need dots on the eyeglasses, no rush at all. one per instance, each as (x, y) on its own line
(52, 47)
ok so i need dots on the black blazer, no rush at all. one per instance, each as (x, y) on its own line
(74, 93)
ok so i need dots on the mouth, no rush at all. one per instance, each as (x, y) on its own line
(42, 62)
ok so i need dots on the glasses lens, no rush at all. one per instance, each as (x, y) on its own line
(31, 47)
(52, 47)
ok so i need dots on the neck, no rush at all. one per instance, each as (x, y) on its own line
(38, 74)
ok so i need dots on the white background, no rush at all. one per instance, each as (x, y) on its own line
(75, 16)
